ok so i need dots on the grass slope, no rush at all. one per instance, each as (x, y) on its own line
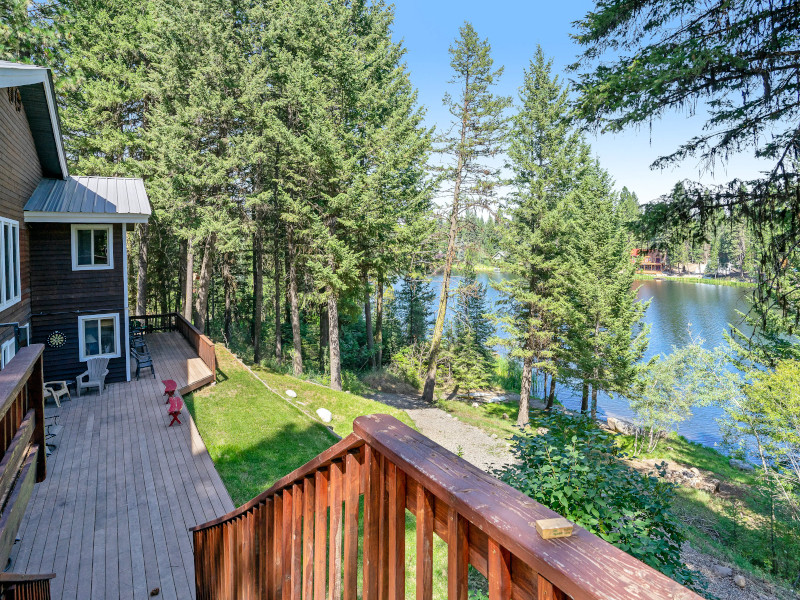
(253, 436)
(344, 406)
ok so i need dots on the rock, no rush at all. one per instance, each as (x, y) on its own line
(494, 436)
(740, 581)
(475, 405)
(741, 465)
(291, 393)
(541, 430)
(324, 414)
(621, 426)
(505, 416)
(695, 471)
(722, 571)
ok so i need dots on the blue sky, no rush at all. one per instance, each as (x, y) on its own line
(514, 29)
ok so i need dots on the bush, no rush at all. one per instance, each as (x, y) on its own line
(572, 468)
(507, 374)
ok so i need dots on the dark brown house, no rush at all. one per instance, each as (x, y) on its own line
(63, 251)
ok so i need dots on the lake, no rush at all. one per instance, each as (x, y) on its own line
(673, 307)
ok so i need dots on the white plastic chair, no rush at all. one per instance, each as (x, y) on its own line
(55, 390)
(95, 375)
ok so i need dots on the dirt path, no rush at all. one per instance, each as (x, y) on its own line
(472, 444)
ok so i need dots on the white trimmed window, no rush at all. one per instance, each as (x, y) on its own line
(9, 349)
(92, 247)
(98, 336)
(10, 291)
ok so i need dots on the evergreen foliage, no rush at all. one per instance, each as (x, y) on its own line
(477, 134)
(739, 61)
(544, 150)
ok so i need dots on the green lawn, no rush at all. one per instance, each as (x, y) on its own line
(253, 436)
(344, 406)
(256, 437)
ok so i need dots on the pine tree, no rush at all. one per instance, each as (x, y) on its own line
(605, 337)
(467, 338)
(411, 306)
(544, 150)
(479, 127)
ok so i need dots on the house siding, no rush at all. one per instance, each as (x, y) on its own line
(20, 173)
(60, 295)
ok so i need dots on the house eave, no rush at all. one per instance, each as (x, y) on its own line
(61, 217)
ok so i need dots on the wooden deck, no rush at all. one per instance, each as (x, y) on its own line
(112, 518)
(175, 359)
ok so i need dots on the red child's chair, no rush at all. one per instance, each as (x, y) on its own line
(175, 406)
(169, 388)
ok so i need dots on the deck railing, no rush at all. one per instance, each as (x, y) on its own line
(201, 344)
(25, 587)
(22, 460)
(300, 539)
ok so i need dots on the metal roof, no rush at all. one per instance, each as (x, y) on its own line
(35, 86)
(89, 199)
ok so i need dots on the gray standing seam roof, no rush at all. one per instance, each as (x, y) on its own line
(90, 195)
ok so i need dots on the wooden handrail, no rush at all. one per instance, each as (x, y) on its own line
(300, 538)
(22, 461)
(201, 344)
(14, 586)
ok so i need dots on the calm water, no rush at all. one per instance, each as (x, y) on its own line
(673, 307)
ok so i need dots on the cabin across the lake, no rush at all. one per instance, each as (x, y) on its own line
(63, 251)
(649, 261)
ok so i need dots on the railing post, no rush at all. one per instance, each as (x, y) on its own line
(372, 497)
(425, 508)
(36, 398)
(457, 556)
(397, 533)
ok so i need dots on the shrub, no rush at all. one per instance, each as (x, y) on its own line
(572, 467)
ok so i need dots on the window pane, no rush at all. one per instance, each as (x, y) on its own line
(107, 336)
(15, 261)
(100, 247)
(91, 345)
(84, 246)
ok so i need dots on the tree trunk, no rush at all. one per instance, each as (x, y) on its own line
(297, 340)
(585, 398)
(141, 272)
(228, 283)
(277, 300)
(333, 341)
(594, 399)
(201, 306)
(438, 328)
(323, 335)
(189, 282)
(379, 321)
(256, 256)
(368, 321)
(523, 418)
(551, 397)
(258, 293)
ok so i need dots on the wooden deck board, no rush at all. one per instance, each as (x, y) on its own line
(175, 359)
(122, 490)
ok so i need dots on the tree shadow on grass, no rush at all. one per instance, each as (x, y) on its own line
(248, 470)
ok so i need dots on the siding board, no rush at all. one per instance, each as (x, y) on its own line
(61, 295)
(20, 173)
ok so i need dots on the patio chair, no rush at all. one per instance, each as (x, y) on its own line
(143, 361)
(56, 390)
(95, 375)
(138, 344)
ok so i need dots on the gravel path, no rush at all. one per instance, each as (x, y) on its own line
(472, 444)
